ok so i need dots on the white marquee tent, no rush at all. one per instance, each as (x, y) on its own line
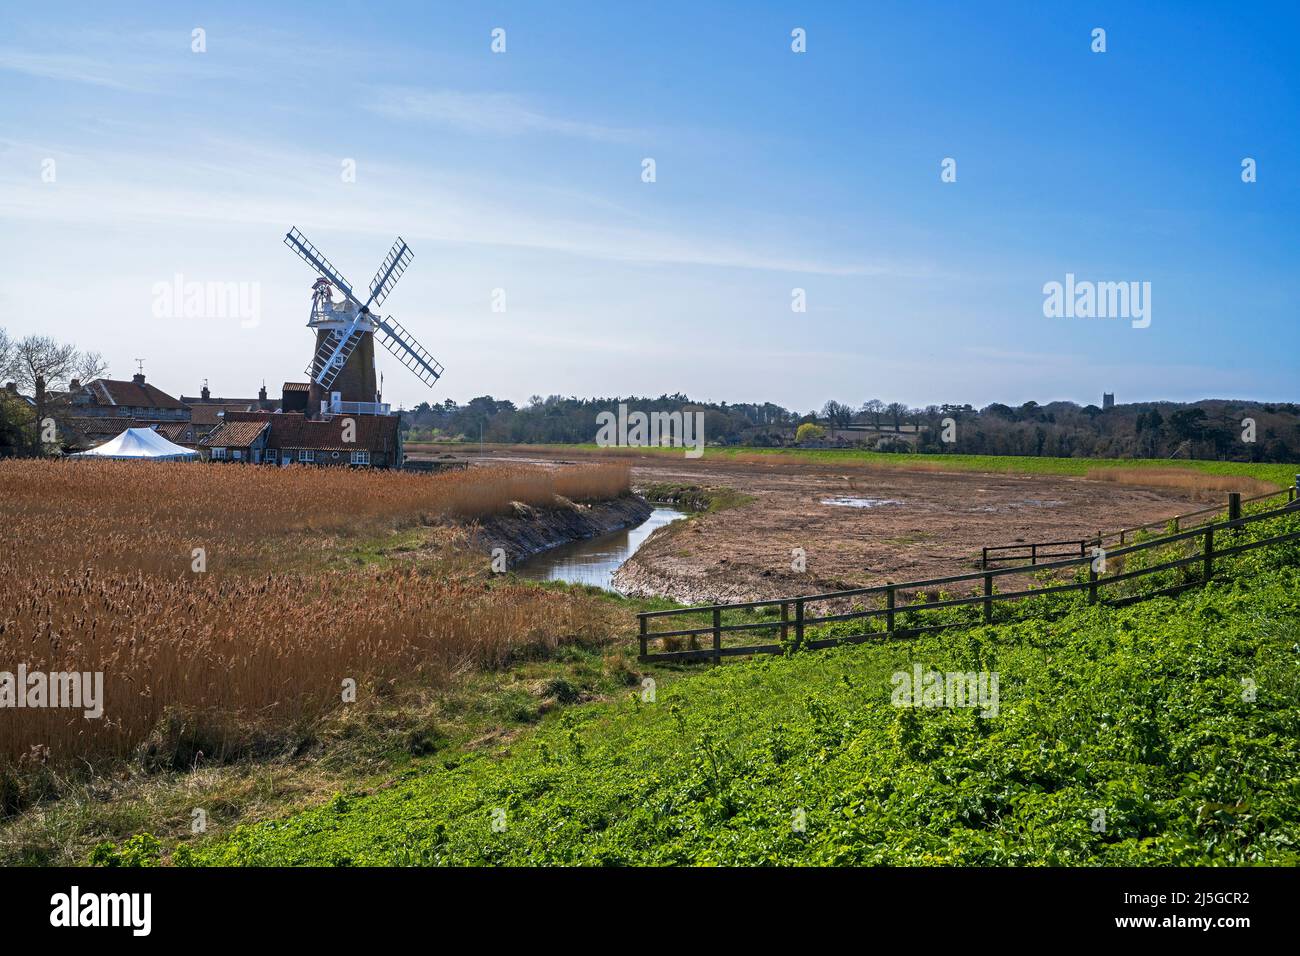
(139, 443)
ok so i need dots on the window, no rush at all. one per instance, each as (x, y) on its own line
(361, 458)
(219, 453)
(236, 454)
(272, 454)
(306, 454)
(123, 411)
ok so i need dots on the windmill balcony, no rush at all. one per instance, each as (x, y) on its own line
(331, 408)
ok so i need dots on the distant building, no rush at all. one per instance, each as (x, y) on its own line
(237, 441)
(90, 431)
(106, 397)
(207, 412)
(92, 413)
(285, 438)
(1107, 400)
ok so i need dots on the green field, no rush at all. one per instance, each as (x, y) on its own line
(1280, 474)
(1164, 733)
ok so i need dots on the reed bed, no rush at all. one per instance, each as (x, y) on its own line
(1198, 483)
(97, 574)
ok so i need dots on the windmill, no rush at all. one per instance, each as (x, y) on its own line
(344, 362)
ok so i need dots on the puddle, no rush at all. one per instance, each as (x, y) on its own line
(595, 560)
(860, 502)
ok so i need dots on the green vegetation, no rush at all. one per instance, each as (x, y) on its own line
(1278, 474)
(694, 497)
(809, 431)
(1177, 722)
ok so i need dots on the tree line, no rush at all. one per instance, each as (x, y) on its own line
(1211, 429)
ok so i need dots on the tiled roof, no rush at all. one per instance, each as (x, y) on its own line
(100, 428)
(107, 391)
(181, 433)
(375, 433)
(296, 386)
(209, 413)
(234, 434)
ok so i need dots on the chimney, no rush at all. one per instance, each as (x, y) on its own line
(203, 392)
(138, 378)
(261, 393)
(74, 385)
(11, 387)
(40, 391)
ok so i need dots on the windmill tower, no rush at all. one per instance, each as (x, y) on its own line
(342, 368)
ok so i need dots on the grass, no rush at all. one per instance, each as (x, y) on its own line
(698, 498)
(1278, 475)
(1173, 721)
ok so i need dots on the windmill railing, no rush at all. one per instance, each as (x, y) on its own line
(791, 618)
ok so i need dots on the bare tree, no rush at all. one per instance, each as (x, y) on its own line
(90, 366)
(875, 408)
(837, 413)
(41, 363)
(6, 357)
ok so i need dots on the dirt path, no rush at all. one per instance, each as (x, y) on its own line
(919, 524)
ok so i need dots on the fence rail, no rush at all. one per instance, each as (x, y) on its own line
(797, 624)
(1029, 551)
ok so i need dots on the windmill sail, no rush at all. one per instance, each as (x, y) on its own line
(408, 351)
(395, 263)
(299, 243)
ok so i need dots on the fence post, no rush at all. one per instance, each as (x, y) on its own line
(889, 607)
(1234, 505)
(1092, 581)
(1121, 537)
(1209, 553)
(984, 558)
(643, 636)
(717, 636)
(1033, 554)
(1177, 528)
(785, 622)
(988, 598)
(798, 623)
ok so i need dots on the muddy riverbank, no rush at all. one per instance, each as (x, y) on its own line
(525, 530)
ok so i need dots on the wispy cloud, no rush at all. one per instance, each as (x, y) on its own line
(501, 114)
(269, 187)
(67, 66)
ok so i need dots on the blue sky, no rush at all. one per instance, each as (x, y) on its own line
(774, 171)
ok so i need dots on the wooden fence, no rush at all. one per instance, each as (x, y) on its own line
(1031, 552)
(795, 619)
